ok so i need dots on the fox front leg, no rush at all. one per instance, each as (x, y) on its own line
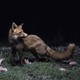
(12, 60)
(20, 52)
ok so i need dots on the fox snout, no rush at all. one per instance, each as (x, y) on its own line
(23, 35)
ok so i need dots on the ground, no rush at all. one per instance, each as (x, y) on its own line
(51, 70)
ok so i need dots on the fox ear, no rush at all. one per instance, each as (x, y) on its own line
(14, 25)
(20, 26)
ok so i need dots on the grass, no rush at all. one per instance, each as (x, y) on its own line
(39, 71)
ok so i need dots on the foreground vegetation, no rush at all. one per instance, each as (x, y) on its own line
(38, 70)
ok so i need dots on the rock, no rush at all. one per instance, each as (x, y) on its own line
(3, 69)
(73, 63)
(62, 69)
(1, 60)
(27, 61)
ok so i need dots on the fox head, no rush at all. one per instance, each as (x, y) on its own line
(17, 31)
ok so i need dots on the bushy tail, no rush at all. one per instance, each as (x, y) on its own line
(61, 54)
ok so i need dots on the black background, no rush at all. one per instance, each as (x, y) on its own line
(57, 22)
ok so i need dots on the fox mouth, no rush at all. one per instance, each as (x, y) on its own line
(15, 37)
(24, 35)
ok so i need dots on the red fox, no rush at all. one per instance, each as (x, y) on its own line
(35, 44)
(15, 33)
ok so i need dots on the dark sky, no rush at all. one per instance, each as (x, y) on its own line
(46, 20)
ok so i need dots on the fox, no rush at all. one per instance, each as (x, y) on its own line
(35, 45)
(16, 43)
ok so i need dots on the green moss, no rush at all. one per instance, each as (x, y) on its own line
(39, 71)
